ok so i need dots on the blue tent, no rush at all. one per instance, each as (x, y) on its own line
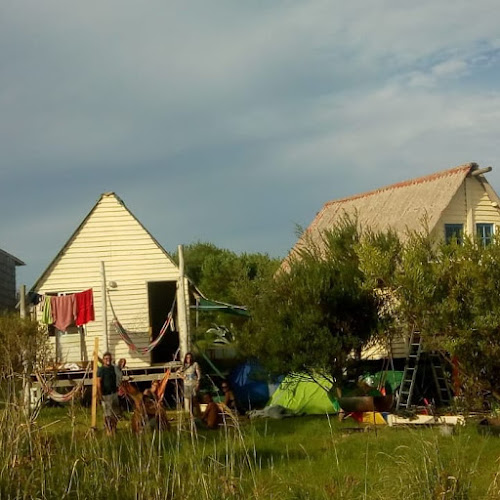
(250, 384)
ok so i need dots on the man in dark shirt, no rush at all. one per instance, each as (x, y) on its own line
(107, 391)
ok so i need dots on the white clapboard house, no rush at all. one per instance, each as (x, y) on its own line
(133, 280)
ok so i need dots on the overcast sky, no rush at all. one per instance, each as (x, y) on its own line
(231, 121)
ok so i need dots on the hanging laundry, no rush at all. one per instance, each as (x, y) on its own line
(46, 311)
(34, 298)
(84, 307)
(63, 311)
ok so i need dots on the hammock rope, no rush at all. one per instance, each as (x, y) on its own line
(57, 396)
(119, 328)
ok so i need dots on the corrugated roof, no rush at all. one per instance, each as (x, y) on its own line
(400, 207)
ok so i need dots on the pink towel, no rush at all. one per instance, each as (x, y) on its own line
(84, 307)
(63, 311)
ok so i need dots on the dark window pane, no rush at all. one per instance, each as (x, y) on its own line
(454, 232)
(484, 233)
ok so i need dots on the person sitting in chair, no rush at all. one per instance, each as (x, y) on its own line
(229, 399)
(211, 418)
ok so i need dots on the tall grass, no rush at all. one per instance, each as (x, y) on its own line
(36, 462)
(57, 457)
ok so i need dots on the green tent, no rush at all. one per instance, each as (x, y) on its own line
(302, 395)
(390, 378)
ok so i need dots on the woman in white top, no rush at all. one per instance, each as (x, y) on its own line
(191, 374)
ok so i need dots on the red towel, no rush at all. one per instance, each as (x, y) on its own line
(84, 307)
(63, 311)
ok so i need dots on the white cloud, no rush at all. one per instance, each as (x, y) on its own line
(305, 99)
(451, 67)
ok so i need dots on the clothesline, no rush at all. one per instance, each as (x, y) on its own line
(70, 309)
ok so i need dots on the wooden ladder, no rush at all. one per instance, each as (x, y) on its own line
(410, 372)
(443, 390)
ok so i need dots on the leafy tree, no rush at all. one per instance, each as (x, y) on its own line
(225, 276)
(317, 315)
(195, 256)
(24, 345)
(351, 290)
(22, 341)
(451, 293)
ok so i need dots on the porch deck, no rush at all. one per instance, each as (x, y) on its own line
(70, 378)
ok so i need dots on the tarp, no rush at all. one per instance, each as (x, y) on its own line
(249, 382)
(391, 378)
(301, 395)
(369, 417)
(215, 306)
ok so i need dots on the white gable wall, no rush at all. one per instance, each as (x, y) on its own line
(471, 205)
(132, 258)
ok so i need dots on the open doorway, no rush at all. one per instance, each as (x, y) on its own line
(161, 295)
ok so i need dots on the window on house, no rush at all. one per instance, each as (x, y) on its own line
(72, 329)
(484, 233)
(454, 232)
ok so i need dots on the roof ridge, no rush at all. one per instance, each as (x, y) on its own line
(467, 167)
(75, 233)
(17, 261)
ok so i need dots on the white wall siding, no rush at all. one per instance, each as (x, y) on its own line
(398, 349)
(111, 235)
(470, 205)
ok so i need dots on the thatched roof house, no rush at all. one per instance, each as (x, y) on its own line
(450, 203)
(458, 200)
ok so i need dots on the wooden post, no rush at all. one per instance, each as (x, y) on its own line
(197, 312)
(22, 301)
(93, 420)
(26, 365)
(182, 315)
(181, 307)
(104, 307)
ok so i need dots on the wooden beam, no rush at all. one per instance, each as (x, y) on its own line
(93, 419)
(181, 307)
(26, 366)
(22, 301)
(104, 307)
(481, 171)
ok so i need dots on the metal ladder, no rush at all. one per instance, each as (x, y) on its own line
(443, 390)
(410, 372)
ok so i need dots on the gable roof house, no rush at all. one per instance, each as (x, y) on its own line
(453, 202)
(8, 264)
(133, 280)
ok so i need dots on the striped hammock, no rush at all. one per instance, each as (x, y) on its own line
(120, 329)
(143, 350)
(57, 396)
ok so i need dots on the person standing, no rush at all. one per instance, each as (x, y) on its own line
(191, 374)
(107, 391)
(123, 402)
(119, 367)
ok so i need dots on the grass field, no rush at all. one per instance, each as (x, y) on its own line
(298, 458)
